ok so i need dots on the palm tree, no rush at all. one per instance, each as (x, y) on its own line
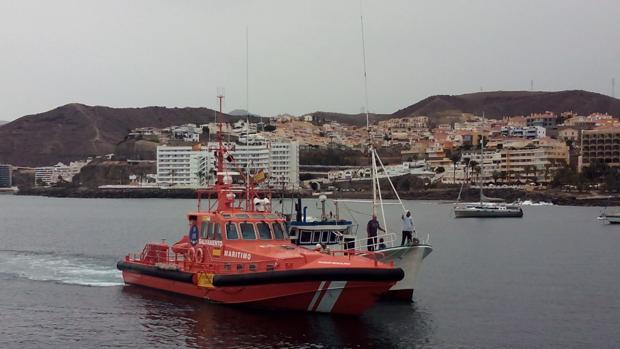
(473, 165)
(455, 157)
(547, 171)
(496, 175)
(527, 169)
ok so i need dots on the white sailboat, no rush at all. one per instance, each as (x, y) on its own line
(611, 218)
(486, 208)
(337, 233)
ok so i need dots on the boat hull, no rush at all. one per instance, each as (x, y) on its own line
(409, 259)
(328, 290)
(336, 297)
(613, 219)
(483, 213)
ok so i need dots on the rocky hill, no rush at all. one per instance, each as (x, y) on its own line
(320, 117)
(77, 131)
(510, 103)
(446, 108)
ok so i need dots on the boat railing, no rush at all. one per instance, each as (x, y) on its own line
(387, 240)
(171, 260)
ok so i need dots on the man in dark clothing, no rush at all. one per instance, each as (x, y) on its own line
(193, 231)
(371, 229)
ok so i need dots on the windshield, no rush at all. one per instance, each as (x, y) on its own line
(247, 231)
(278, 231)
(231, 231)
(263, 231)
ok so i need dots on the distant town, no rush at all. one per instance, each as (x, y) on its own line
(536, 151)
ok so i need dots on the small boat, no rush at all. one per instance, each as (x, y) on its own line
(486, 207)
(9, 190)
(238, 252)
(611, 218)
(487, 210)
(335, 233)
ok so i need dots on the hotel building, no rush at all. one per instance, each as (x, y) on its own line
(5, 176)
(192, 166)
(602, 144)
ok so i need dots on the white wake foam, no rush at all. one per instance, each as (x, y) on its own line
(76, 270)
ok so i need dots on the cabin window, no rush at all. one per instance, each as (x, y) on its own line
(278, 232)
(252, 267)
(293, 230)
(231, 231)
(210, 231)
(306, 237)
(264, 233)
(217, 232)
(333, 237)
(325, 237)
(316, 236)
(247, 231)
(203, 229)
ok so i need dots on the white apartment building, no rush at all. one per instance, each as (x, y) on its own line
(521, 161)
(48, 175)
(185, 166)
(527, 132)
(285, 165)
(194, 166)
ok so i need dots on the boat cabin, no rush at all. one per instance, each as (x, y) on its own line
(321, 232)
(215, 229)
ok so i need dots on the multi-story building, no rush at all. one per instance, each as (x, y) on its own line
(527, 132)
(48, 175)
(5, 176)
(602, 144)
(183, 165)
(513, 162)
(285, 165)
(537, 161)
(547, 120)
(193, 166)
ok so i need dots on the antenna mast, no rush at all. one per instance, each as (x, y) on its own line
(247, 87)
(370, 147)
(220, 151)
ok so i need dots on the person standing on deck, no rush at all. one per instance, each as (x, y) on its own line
(371, 229)
(408, 228)
(193, 231)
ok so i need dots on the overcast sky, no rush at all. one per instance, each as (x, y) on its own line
(303, 55)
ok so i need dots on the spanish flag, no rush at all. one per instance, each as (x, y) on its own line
(260, 177)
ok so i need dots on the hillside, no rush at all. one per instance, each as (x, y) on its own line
(2, 122)
(77, 131)
(510, 103)
(347, 119)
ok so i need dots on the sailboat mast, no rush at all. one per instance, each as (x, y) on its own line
(481, 157)
(371, 149)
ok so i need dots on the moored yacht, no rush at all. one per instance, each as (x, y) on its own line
(486, 208)
(332, 232)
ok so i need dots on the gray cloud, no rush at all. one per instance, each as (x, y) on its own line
(304, 55)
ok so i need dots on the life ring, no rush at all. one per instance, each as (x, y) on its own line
(191, 254)
(199, 255)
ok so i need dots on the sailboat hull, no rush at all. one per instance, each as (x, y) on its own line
(481, 212)
(409, 259)
(612, 218)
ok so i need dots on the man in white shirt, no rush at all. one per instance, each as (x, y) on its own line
(408, 228)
